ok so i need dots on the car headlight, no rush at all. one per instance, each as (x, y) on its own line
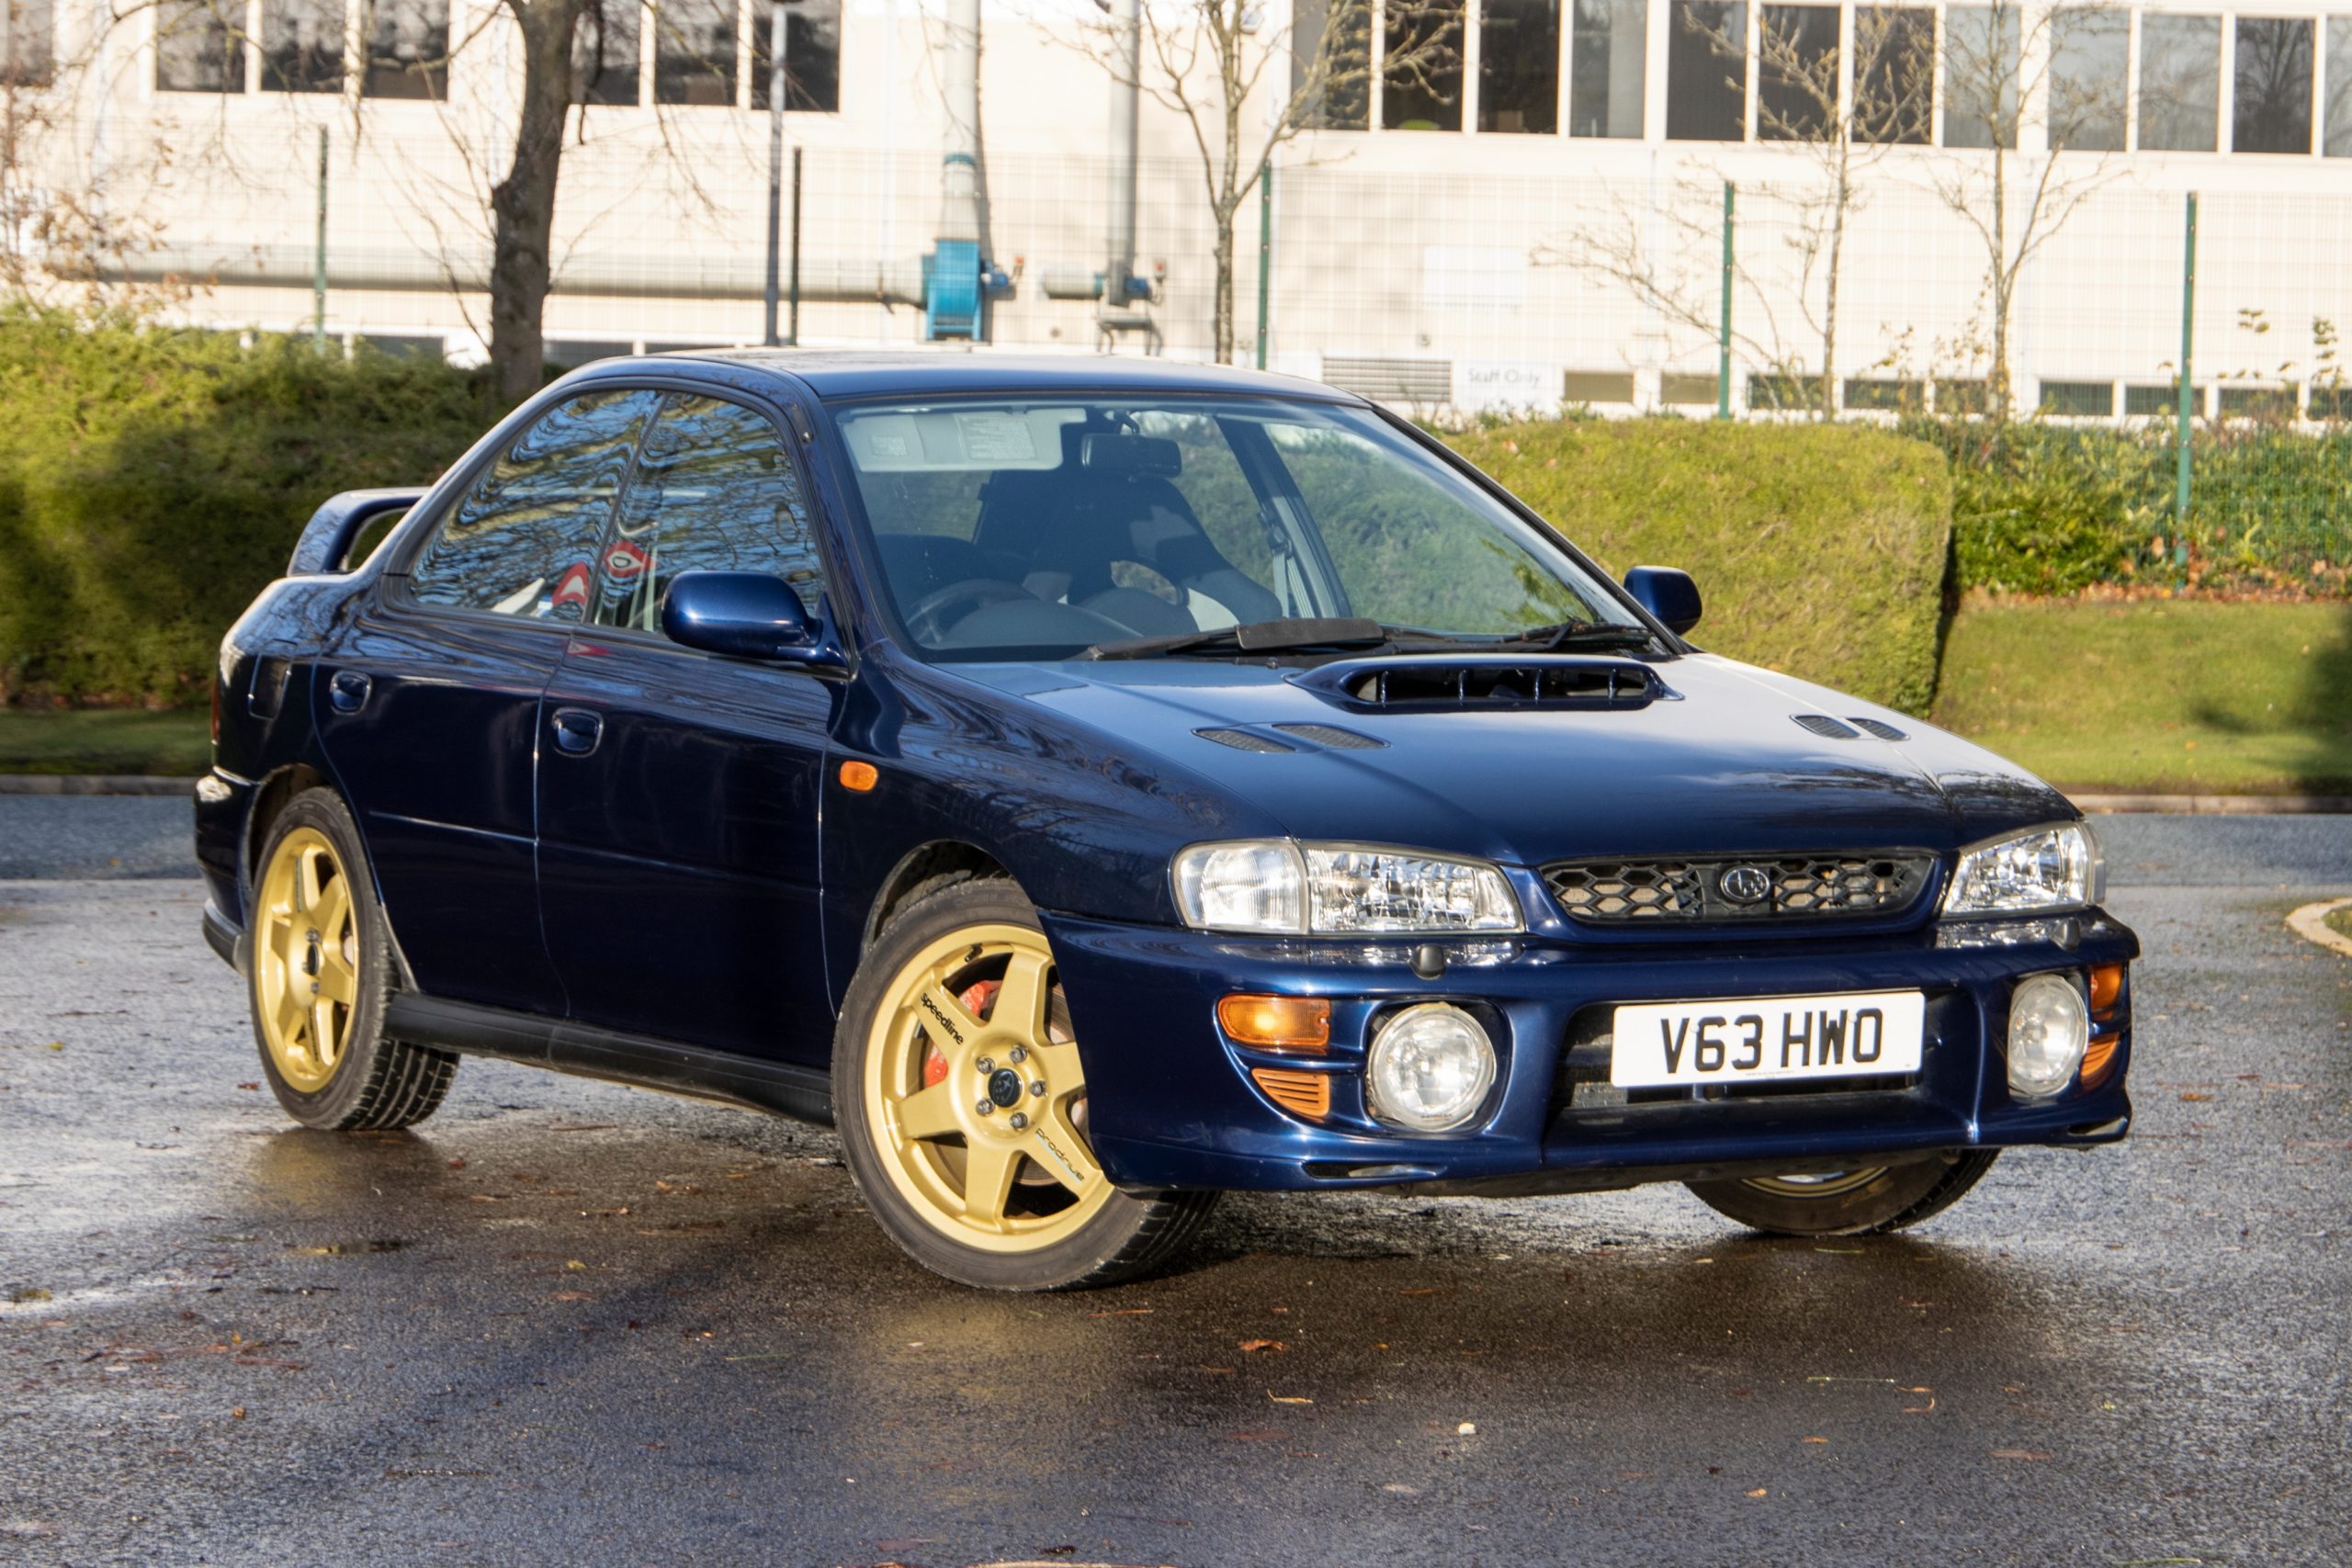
(2043, 868)
(1279, 886)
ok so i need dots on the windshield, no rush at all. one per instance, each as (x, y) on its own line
(1049, 527)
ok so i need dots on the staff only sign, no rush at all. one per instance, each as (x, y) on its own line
(1506, 386)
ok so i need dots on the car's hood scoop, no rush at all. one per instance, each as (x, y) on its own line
(1436, 682)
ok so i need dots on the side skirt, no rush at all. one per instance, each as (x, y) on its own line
(779, 1087)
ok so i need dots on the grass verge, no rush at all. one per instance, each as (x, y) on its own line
(2339, 920)
(176, 741)
(2178, 696)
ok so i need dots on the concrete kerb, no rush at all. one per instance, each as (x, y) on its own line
(93, 784)
(2310, 922)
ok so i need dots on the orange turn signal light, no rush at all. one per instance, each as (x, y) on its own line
(1307, 1094)
(1277, 1023)
(859, 776)
(2096, 1060)
(2106, 984)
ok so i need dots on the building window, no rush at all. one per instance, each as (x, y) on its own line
(2339, 87)
(2180, 84)
(812, 54)
(1894, 74)
(2090, 62)
(408, 49)
(2273, 85)
(694, 52)
(302, 46)
(2079, 399)
(1606, 69)
(604, 52)
(1332, 69)
(199, 48)
(1706, 72)
(28, 43)
(1420, 74)
(1519, 66)
(1981, 76)
(1796, 87)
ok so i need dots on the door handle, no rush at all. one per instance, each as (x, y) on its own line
(577, 731)
(347, 691)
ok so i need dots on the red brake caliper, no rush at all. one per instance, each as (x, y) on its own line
(976, 997)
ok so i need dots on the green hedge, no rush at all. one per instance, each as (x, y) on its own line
(151, 481)
(2046, 509)
(1820, 549)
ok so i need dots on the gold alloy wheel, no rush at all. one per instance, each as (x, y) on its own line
(1833, 1184)
(975, 1096)
(306, 959)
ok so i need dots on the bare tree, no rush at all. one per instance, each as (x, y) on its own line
(1835, 124)
(2000, 62)
(1209, 62)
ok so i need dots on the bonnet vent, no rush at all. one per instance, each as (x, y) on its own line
(1828, 729)
(1426, 684)
(1243, 741)
(1880, 728)
(1332, 735)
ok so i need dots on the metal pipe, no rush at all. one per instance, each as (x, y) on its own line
(1265, 255)
(795, 339)
(775, 167)
(1126, 90)
(1722, 362)
(959, 216)
(648, 274)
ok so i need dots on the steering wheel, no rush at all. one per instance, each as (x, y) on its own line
(927, 618)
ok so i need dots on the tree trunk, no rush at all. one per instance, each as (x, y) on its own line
(1843, 199)
(1223, 252)
(1997, 388)
(523, 204)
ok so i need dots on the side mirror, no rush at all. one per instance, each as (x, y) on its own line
(1667, 594)
(745, 614)
(327, 537)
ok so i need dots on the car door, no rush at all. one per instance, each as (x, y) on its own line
(428, 709)
(678, 790)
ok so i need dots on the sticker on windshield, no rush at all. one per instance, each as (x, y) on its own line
(996, 438)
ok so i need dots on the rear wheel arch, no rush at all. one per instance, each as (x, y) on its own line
(275, 794)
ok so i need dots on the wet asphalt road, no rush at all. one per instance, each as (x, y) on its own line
(566, 1322)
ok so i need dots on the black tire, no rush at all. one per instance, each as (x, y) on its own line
(1867, 1201)
(375, 1082)
(1131, 1234)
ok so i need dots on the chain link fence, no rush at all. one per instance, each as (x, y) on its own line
(1452, 294)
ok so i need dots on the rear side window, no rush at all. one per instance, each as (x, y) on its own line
(715, 491)
(522, 540)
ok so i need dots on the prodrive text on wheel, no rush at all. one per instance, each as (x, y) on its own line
(1093, 785)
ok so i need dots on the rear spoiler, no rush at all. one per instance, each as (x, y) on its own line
(325, 544)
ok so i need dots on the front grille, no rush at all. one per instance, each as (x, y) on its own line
(1789, 887)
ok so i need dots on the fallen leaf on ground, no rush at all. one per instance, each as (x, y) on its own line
(2192, 1094)
(1286, 1398)
(1264, 1345)
(2019, 1453)
(1816, 1440)
(1123, 1311)
(1759, 1492)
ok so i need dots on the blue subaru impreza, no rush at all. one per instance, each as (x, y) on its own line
(1092, 784)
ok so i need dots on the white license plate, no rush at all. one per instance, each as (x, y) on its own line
(1767, 1039)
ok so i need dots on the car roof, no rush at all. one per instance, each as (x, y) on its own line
(860, 373)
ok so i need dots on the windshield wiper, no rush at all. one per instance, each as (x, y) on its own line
(1288, 634)
(1574, 633)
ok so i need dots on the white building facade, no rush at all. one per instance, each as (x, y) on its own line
(1538, 222)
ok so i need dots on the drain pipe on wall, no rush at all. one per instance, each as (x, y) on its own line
(952, 272)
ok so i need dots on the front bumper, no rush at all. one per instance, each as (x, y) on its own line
(1171, 1104)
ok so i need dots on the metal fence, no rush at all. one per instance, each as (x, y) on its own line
(1449, 293)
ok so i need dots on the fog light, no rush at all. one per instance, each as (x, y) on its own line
(2049, 1029)
(1431, 1067)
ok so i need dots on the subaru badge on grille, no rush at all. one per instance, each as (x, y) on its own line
(1745, 884)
